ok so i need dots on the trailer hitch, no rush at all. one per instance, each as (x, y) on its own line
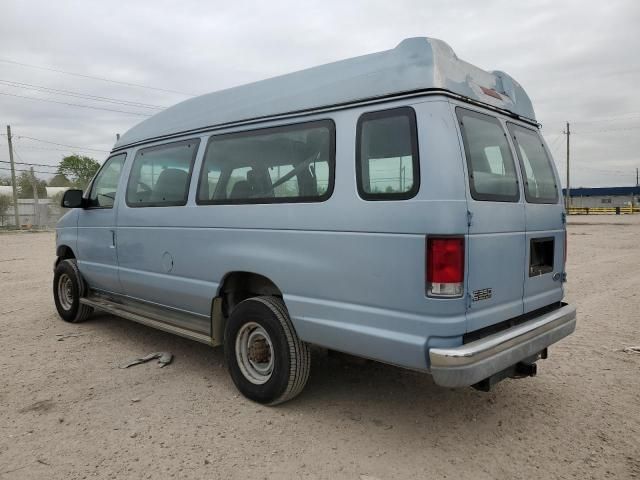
(523, 369)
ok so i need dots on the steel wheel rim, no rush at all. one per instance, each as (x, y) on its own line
(65, 291)
(254, 353)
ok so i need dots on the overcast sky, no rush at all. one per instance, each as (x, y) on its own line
(578, 60)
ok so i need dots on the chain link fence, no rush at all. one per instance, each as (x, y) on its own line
(42, 216)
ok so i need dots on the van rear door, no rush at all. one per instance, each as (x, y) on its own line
(545, 237)
(496, 239)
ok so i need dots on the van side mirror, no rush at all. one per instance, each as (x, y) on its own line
(72, 199)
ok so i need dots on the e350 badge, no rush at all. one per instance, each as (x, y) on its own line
(482, 294)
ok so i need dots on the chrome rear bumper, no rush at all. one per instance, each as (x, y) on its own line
(470, 363)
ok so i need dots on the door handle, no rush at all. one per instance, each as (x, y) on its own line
(113, 239)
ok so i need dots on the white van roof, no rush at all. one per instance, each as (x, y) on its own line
(416, 66)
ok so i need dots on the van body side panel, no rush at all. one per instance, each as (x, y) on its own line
(67, 230)
(153, 245)
(97, 254)
(352, 271)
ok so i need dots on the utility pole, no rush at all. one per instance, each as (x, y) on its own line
(36, 209)
(13, 178)
(633, 194)
(567, 197)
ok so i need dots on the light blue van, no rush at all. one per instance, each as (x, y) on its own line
(399, 206)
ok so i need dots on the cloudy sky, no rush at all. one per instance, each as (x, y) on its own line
(578, 60)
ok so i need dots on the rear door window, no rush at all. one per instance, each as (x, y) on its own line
(492, 172)
(540, 185)
(388, 167)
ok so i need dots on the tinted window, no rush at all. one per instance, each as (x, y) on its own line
(492, 173)
(387, 155)
(540, 181)
(104, 187)
(281, 164)
(160, 175)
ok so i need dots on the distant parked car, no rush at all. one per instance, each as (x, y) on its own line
(401, 206)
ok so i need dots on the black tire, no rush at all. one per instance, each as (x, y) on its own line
(68, 282)
(291, 356)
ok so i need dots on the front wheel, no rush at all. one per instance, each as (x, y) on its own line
(267, 361)
(68, 289)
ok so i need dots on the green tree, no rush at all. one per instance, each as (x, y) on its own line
(60, 181)
(25, 186)
(5, 203)
(5, 181)
(79, 169)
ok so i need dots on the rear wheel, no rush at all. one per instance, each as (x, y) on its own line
(267, 361)
(68, 289)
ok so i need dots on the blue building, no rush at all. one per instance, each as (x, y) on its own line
(604, 196)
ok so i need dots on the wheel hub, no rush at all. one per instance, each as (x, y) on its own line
(259, 351)
(65, 291)
(254, 353)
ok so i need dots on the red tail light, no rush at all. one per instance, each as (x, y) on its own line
(445, 266)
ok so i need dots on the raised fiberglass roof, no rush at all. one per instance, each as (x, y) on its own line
(416, 65)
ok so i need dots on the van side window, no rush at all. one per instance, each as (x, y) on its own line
(388, 167)
(492, 172)
(160, 175)
(105, 185)
(540, 182)
(293, 163)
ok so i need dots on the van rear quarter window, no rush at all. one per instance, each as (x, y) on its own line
(160, 175)
(292, 163)
(492, 172)
(540, 182)
(388, 166)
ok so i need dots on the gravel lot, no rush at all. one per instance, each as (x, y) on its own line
(68, 411)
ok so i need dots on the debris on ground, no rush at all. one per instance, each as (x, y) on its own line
(164, 359)
(631, 349)
(62, 336)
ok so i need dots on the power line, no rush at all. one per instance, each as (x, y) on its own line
(611, 118)
(607, 130)
(75, 104)
(128, 84)
(70, 93)
(555, 144)
(27, 170)
(62, 144)
(21, 162)
(59, 144)
(30, 164)
(53, 149)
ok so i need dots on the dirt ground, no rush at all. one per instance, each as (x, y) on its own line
(68, 411)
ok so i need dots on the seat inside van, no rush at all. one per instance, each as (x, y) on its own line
(286, 166)
(171, 186)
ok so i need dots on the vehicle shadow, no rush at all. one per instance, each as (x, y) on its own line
(343, 389)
